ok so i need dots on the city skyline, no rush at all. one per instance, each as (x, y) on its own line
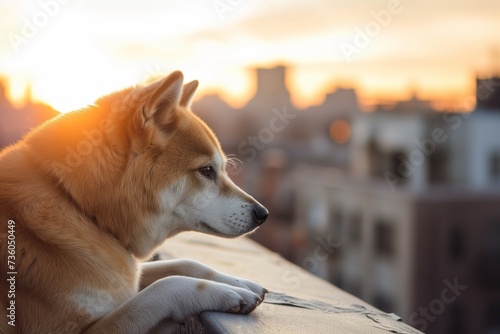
(462, 104)
(380, 48)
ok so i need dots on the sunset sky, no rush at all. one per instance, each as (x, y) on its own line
(80, 50)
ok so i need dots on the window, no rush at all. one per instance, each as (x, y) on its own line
(384, 238)
(374, 155)
(317, 214)
(337, 224)
(457, 243)
(437, 168)
(355, 228)
(489, 257)
(398, 164)
(495, 166)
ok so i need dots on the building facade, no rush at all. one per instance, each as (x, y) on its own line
(415, 219)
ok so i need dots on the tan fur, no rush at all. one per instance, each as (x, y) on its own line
(85, 191)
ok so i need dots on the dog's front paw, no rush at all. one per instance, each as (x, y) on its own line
(243, 283)
(227, 298)
(248, 300)
(252, 286)
(190, 296)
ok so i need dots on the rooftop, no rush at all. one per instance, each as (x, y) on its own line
(298, 302)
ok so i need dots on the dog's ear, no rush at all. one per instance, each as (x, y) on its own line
(163, 99)
(157, 115)
(188, 93)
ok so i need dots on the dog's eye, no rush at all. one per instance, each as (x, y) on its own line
(208, 172)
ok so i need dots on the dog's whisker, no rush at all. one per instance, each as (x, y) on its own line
(233, 161)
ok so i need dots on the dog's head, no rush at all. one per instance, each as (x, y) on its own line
(186, 166)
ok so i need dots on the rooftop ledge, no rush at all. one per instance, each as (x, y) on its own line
(298, 302)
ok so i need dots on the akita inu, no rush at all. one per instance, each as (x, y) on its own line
(90, 193)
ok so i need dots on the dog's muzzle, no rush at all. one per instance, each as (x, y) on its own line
(259, 214)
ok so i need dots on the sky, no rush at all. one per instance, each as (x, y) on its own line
(72, 51)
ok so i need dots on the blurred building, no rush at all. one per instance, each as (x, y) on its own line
(16, 122)
(488, 93)
(417, 212)
(271, 92)
(305, 136)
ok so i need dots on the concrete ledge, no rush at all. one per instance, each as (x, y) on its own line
(298, 302)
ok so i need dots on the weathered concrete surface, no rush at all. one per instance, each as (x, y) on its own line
(298, 302)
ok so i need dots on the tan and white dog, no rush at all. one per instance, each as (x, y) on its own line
(89, 194)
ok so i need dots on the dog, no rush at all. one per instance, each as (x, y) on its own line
(86, 197)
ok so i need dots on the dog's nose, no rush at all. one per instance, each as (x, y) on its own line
(260, 214)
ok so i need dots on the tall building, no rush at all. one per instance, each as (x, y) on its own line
(488, 93)
(271, 89)
(415, 222)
